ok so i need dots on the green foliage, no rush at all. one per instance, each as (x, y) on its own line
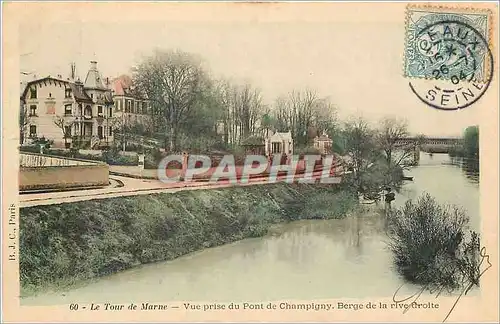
(471, 141)
(470, 146)
(152, 158)
(36, 144)
(307, 150)
(82, 240)
(432, 244)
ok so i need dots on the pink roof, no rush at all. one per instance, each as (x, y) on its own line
(121, 85)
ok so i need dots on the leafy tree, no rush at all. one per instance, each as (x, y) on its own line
(471, 141)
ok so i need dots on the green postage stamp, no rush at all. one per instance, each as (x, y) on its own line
(447, 44)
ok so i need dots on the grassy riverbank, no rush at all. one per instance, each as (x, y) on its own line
(67, 243)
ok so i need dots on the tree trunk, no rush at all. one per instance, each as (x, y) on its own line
(172, 138)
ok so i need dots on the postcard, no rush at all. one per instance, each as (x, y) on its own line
(250, 162)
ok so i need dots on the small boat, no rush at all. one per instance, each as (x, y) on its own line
(407, 178)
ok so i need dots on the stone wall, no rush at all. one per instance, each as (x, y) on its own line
(74, 174)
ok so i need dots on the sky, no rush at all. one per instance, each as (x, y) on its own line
(351, 54)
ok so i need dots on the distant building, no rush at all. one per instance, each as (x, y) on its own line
(279, 143)
(85, 110)
(323, 143)
(131, 108)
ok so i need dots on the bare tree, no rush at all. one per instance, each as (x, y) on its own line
(242, 109)
(362, 153)
(249, 108)
(24, 121)
(324, 116)
(64, 124)
(303, 112)
(393, 136)
(175, 81)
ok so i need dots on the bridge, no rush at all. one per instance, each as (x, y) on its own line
(428, 144)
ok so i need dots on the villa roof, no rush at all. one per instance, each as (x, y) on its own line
(281, 136)
(45, 80)
(122, 85)
(77, 89)
(78, 92)
(93, 79)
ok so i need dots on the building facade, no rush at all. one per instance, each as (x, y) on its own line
(323, 143)
(69, 112)
(132, 110)
(279, 143)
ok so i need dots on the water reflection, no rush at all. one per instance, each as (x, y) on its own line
(449, 180)
(469, 166)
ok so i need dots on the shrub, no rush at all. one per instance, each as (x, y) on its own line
(152, 158)
(432, 244)
(308, 150)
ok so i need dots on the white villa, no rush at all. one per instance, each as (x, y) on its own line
(323, 143)
(279, 143)
(90, 112)
(68, 110)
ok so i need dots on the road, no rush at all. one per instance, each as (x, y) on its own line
(132, 187)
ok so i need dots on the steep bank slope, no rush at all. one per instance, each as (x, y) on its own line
(64, 243)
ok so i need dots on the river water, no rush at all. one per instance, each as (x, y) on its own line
(302, 260)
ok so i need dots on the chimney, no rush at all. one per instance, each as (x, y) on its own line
(72, 75)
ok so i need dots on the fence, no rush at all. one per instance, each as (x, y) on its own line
(37, 160)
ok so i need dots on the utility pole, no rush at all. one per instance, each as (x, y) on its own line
(123, 124)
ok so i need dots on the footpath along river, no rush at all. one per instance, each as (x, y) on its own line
(302, 260)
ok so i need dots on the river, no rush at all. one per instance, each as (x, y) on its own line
(304, 260)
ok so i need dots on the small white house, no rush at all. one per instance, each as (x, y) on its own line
(323, 143)
(279, 143)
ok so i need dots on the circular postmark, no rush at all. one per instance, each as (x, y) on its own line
(454, 64)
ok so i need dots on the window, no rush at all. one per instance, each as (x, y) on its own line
(110, 131)
(67, 131)
(110, 112)
(144, 107)
(91, 96)
(80, 110)
(33, 92)
(88, 111)
(276, 147)
(129, 106)
(67, 93)
(32, 110)
(32, 130)
(67, 110)
(99, 111)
